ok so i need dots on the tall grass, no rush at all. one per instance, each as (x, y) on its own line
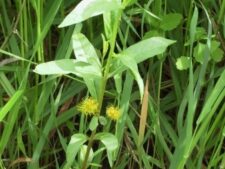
(174, 119)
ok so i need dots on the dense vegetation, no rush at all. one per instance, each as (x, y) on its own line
(112, 84)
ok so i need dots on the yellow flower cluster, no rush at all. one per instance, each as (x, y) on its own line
(88, 106)
(113, 112)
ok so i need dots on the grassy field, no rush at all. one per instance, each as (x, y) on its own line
(116, 84)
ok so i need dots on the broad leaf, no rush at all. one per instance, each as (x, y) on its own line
(199, 52)
(111, 144)
(217, 55)
(76, 141)
(170, 21)
(140, 52)
(89, 8)
(66, 66)
(183, 63)
(84, 51)
(216, 52)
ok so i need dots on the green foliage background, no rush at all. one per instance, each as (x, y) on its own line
(178, 123)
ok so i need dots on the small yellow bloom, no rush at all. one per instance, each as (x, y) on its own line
(113, 112)
(88, 106)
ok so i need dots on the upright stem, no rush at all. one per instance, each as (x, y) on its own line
(110, 55)
(90, 143)
(104, 81)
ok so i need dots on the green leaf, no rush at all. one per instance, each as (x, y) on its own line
(94, 123)
(127, 3)
(216, 93)
(109, 19)
(111, 144)
(76, 141)
(130, 63)
(193, 26)
(89, 8)
(118, 82)
(151, 33)
(84, 51)
(108, 139)
(200, 33)
(102, 120)
(183, 63)
(217, 55)
(214, 45)
(216, 52)
(94, 85)
(141, 51)
(83, 152)
(223, 131)
(66, 66)
(199, 52)
(170, 21)
(8, 106)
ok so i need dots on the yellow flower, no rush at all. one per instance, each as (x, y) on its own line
(88, 106)
(113, 112)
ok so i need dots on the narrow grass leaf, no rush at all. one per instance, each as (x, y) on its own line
(13, 100)
(217, 91)
(48, 21)
(8, 128)
(194, 21)
(6, 84)
(15, 56)
(46, 130)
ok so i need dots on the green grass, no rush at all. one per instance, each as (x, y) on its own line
(176, 122)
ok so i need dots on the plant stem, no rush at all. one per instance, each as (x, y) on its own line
(90, 143)
(111, 52)
(104, 81)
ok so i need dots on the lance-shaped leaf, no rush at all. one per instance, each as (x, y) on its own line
(84, 51)
(76, 141)
(89, 8)
(140, 52)
(66, 66)
(111, 144)
(131, 64)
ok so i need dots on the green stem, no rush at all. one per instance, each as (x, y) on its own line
(104, 81)
(159, 84)
(110, 56)
(90, 143)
